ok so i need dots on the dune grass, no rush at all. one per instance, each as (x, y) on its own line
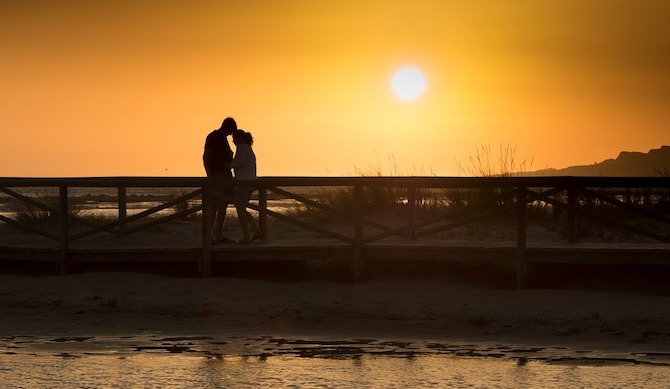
(428, 201)
(376, 199)
(485, 164)
(42, 218)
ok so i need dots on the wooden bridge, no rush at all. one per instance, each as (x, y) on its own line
(430, 209)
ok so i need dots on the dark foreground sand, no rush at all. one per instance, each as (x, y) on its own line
(133, 312)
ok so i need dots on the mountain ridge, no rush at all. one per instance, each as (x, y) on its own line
(656, 162)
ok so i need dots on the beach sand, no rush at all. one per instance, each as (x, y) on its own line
(394, 312)
(134, 312)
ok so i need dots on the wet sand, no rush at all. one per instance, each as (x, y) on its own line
(124, 312)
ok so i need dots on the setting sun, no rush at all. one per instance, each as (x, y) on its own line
(408, 83)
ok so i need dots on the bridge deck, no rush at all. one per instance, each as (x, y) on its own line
(152, 247)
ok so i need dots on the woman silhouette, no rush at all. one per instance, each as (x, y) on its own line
(244, 166)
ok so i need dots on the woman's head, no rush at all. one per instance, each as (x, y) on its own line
(241, 136)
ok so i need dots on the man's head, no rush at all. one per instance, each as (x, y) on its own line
(228, 126)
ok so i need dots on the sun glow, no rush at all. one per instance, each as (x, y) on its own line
(408, 83)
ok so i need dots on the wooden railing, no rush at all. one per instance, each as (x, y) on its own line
(639, 195)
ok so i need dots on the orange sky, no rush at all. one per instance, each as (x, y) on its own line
(100, 88)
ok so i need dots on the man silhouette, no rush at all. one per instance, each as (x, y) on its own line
(217, 158)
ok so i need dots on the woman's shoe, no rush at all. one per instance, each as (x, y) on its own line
(257, 236)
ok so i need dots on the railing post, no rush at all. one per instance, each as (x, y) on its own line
(123, 209)
(206, 262)
(411, 204)
(522, 227)
(262, 215)
(646, 198)
(358, 233)
(572, 220)
(64, 229)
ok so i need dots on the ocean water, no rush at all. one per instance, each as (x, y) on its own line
(161, 370)
(111, 209)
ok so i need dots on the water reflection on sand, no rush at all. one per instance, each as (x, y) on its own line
(154, 369)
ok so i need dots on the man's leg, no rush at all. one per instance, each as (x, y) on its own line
(218, 221)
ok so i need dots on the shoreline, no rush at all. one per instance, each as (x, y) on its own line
(215, 317)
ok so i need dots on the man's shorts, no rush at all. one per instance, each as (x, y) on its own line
(218, 192)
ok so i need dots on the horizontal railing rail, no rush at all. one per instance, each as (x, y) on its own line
(396, 181)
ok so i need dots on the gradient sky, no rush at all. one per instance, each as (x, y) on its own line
(109, 88)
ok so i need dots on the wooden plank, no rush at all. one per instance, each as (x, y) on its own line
(123, 209)
(262, 214)
(357, 257)
(411, 217)
(30, 255)
(342, 253)
(468, 251)
(64, 229)
(572, 220)
(521, 232)
(442, 254)
(599, 256)
(135, 256)
(207, 225)
(424, 182)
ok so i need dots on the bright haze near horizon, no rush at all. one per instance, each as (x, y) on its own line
(110, 88)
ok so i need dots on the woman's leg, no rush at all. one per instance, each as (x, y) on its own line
(250, 220)
(242, 216)
(246, 219)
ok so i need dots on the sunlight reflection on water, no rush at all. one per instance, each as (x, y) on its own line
(161, 370)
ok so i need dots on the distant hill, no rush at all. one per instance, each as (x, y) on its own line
(628, 163)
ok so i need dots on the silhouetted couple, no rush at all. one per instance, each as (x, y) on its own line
(219, 160)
